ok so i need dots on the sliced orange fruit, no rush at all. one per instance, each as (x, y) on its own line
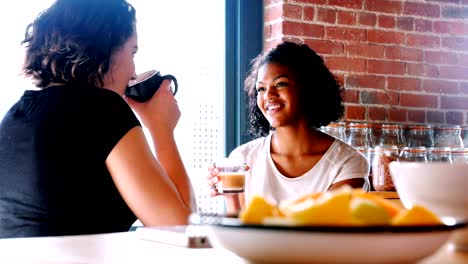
(257, 209)
(416, 215)
(284, 206)
(368, 212)
(392, 208)
(331, 208)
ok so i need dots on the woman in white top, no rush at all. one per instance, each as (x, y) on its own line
(291, 94)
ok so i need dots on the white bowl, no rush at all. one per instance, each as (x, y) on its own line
(440, 187)
(326, 244)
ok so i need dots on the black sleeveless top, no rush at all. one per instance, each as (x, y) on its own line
(53, 177)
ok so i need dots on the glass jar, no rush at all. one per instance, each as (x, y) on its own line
(381, 177)
(359, 135)
(460, 155)
(369, 154)
(418, 154)
(366, 152)
(464, 135)
(403, 135)
(448, 136)
(336, 130)
(405, 131)
(420, 136)
(391, 135)
(376, 132)
(439, 154)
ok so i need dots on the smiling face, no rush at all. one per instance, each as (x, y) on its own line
(278, 95)
(122, 67)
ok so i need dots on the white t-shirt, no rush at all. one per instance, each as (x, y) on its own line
(340, 162)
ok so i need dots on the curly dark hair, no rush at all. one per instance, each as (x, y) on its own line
(320, 91)
(72, 41)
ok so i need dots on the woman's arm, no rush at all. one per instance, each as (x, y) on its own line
(157, 190)
(169, 157)
(355, 183)
(234, 203)
(354, 171)
(154, 197)
(161, 115)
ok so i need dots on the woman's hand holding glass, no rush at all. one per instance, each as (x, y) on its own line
(212, 179)
(227, 176)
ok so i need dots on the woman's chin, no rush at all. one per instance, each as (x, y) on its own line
(275, 124)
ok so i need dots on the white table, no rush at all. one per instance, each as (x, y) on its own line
(104, 248)
(128, 248)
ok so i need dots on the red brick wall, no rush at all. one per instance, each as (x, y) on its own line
(399, 61)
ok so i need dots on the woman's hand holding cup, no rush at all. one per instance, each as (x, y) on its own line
(161, 110)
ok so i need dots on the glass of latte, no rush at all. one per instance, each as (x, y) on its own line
(231, 175)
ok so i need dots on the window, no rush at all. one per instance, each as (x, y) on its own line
(190, 45)
(13, 29)
(244, 41)
(206, 44)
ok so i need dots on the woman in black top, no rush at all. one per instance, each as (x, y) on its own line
(73, 156)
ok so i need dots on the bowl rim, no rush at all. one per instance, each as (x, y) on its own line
(449, 224)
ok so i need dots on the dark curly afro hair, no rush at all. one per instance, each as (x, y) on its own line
(320, 91)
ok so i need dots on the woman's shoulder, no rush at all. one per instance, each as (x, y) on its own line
(342, 150)
(103, 100)
(103, 94)
(75, 95)
(99, 107)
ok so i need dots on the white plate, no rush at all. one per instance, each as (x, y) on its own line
(326, 244)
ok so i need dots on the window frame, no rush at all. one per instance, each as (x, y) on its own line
(244, 41)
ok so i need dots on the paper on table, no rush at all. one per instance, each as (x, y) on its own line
(185, 236)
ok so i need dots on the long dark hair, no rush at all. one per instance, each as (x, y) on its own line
(320, 93)
(72, 41)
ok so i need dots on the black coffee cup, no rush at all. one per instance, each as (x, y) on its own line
(146, 84)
